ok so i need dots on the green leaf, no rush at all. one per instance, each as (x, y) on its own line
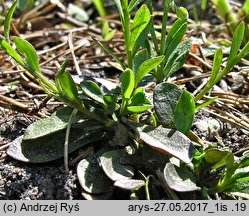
(243, 160)
(65, 84)
(141, 20)
(179, 179)
(110, 99)
(138, 97)
(29, 52)
(128, 83)
(240, 189)
(236, 42)
(167, 141)
(92, 178)
(108, 51)
(142, 40)
(206, 103)
(47, 126)
(165, 98)
(184, 112)
(139, 109)
(146, 67)
(9, 49)
(51, 147)
(8, 19)
(241, 175)
(93, 91)
(246, 7)
(133, 4)
(175, 36)
(230, 164)
(177, 58)
(216, 65)
(204, 5)
(110, 162)
(150, 49)
(99, 5)
(216, 157)
(108, 35)
(139, 58)
(182, 13)
(119, 7)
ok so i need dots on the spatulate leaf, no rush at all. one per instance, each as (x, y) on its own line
(112, 167)
(92, 178)
(165, 97)
(49, 148)
(179, 179)
(184, 112)
(167, 141)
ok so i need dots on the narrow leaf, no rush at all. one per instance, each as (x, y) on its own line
(146, 67)
(128, 83)
(133, 4)
(139, 58)
(109, 35)
(216, 65)
(138, 97)
(184, 112)
(92, 90)
(141, 20)
(236, 42)
(119, 7)
(216, 157)
(8, 19)
(99, 5)
(175, 36)
(177, 58)
(9, 49)
(29, 52)
(139, 109)
(205, 104)
(142, 40)
(65, 84)
(112, 54)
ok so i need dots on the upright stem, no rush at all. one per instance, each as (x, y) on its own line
(164, 26)
(70, 121)
(159, 71)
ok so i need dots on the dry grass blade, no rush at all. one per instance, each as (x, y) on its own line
(229, 117)
(71, 46)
